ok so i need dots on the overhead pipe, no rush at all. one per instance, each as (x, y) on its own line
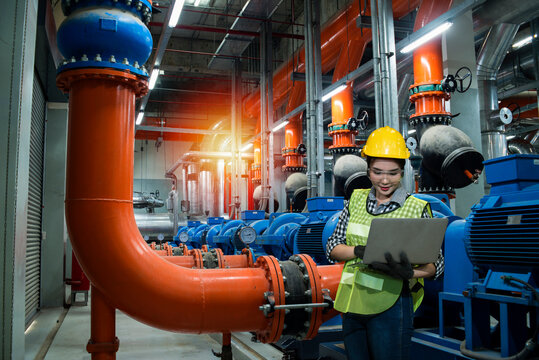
(333, 36)
(493, 120)
(99, 212)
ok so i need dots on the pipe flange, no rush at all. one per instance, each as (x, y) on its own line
(312, 278)
(275, 296)
(344, 150)
(65, 79)
(301, 169)
(197, 256)
(436, 190)
(250, 258)
(220, 257)
(431, 119)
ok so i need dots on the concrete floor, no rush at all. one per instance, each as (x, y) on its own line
(137, 341)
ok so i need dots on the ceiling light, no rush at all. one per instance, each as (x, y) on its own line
(139, 118)
(197, 2)
(523, 42)
(246, 147)
(153, 78)
(510, 137)
(411, 131)
(280, 126)
(335, 91)
(425, 38)
(176, 11)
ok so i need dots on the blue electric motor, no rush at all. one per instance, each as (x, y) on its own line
(502, 231)
(313, 234)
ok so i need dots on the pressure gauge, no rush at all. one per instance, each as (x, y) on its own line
(160, 237)
(184, 237)
(247, 235)
(146, 238)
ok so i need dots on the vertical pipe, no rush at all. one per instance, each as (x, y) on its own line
(489, 60)
(310, 105)
(103, 343)
(263, 120)
(388, 64)
(535, 51)
(319, 110)
(269, 104)
(234, 136)
(376, 65)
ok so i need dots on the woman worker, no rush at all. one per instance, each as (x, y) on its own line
(378, 301)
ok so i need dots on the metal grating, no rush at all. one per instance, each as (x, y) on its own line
(309, 239)
(505, 236)
(35, 190)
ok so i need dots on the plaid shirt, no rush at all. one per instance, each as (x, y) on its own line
(397, 200)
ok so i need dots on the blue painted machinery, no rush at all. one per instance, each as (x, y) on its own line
(313, 234)
(236, 235)
(492, 269)
(278, 239)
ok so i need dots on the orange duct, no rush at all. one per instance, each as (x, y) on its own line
(426, 92)
(333, 38)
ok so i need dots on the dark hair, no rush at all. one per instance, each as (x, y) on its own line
(401, 162)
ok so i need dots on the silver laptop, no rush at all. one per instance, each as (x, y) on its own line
(421, 239)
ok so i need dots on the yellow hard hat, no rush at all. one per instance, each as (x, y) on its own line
(386, 142)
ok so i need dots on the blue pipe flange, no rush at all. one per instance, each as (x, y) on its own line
(104, 38)
(140, 8)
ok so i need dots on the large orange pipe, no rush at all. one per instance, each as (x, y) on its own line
(231, 261)
(428, 63)
(104, 234)
(333, 37)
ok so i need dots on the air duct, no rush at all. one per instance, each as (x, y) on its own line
(489, 60)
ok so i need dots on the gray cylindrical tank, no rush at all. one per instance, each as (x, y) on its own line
(207, 189)
(345, 167)
(155, 224)
(448, 152)
(257, 197)
(193, 189)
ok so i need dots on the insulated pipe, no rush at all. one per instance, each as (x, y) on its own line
(489, 60)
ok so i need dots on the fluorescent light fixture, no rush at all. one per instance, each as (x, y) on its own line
(139, 117)
(510, 137)
(197, 2)
(412, 131)
(523, 42)
(246, 147)
(335, 91)
(176, 11)
(427, 37)
(153, 78)
(280, 126)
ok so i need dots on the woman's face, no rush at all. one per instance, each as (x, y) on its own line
(385, 175)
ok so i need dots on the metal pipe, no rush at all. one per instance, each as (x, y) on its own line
(388, 65)
(489, 60)
(319, 105)
(376, 65)
(312, 182)
(227, 31)
(263, 120)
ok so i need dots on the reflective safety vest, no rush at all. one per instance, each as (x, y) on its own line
(361, 289)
